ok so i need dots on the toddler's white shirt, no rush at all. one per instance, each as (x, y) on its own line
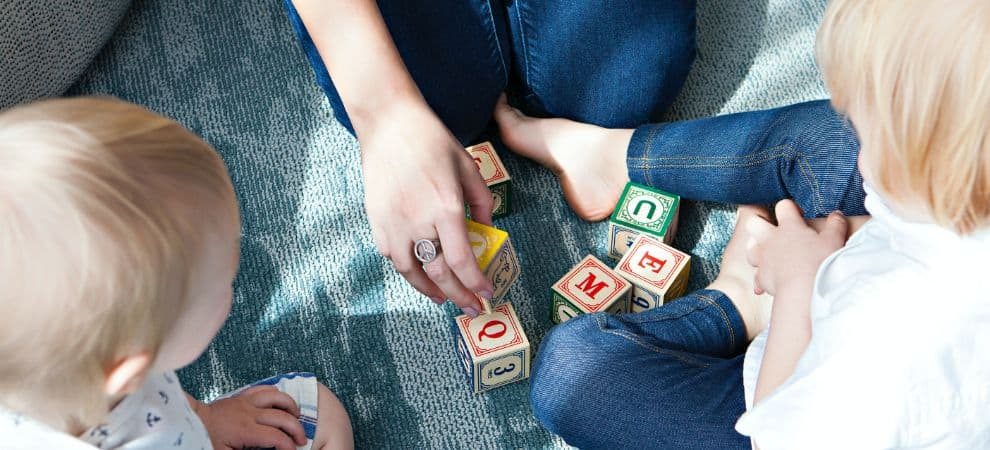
(157, 416)
(900, 349)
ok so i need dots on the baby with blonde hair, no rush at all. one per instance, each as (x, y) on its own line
(119, 242)
(878, 341)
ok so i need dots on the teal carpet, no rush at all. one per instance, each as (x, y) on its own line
(313, 294)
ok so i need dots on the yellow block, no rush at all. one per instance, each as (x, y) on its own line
(485, 242)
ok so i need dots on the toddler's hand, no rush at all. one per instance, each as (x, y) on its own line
(789, 253)
(261, 416)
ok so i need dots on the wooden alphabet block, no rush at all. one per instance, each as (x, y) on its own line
(496, 257)
(591, 286)
(657, 271)
(641, 210)
(495, 175)
(493, 348)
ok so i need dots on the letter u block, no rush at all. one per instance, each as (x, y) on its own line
(496, 257)
(641, 210)
(657, 271)
(591, 286)
(495, 176)
(493, 348)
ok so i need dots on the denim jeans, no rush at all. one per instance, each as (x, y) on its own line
(669, 377)
(597, 63)
(806, 152)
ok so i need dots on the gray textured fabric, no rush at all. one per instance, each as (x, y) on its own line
(313, 294)
(46, 44)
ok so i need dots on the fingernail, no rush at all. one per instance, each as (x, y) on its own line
(470, 311)
(486, 294)
(437, 300)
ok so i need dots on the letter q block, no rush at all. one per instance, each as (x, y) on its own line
(641, 210)
(657, 271)
(496, 257)
(496, 177)
(591, 286)
(493, 348)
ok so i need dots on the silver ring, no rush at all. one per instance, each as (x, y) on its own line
(426, 250)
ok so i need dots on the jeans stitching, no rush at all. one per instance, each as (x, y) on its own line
(642, 343)
(812, 181)
(498, 42)
(525, 46)
(646, 148)
(725, 318)
(694, 161)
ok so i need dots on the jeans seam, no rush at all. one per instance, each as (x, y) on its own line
(812, 181)
(694, 161)
(725, 317)
(646, 148)
(631, 337)
(525, 46)
(498, 43)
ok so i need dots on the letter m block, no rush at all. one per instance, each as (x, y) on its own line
(591, 286)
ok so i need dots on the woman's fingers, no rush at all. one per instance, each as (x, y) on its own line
(459, 254)
(443, 276)
(476, 193)
(412, 270)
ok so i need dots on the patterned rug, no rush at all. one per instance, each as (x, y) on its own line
(312, 293)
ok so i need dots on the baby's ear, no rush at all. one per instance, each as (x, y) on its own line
(127, 374)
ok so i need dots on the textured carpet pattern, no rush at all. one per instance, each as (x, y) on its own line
(312, 293)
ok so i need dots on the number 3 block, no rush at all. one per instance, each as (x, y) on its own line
(657, 271)
(641, 210)
(589, 287)
(493, 348)
(495, 176)
(496, 257)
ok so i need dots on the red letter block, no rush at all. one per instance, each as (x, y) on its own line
(493, 348)
(589, 287)
(657, 271)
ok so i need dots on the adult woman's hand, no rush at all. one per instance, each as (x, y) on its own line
(417, 180)
(416, 175)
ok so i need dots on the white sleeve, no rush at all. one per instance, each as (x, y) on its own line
(846, 391)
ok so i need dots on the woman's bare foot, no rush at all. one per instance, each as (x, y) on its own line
(735, 277)
(589, 161)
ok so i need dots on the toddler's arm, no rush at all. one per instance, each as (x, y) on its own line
(789, 276)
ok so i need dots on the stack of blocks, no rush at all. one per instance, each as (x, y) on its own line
(591, 286)
(493, 346)
(649, 272)
(496, 257)
(641, 210)
(495, 176)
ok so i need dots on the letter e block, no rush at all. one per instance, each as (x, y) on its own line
(641, 210)
(591, 286)
(493, 348)
(496, 257)
(657, 271)
(496, 177)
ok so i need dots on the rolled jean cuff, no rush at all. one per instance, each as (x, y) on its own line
(638, 153)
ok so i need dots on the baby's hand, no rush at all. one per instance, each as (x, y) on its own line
(261, 416)
(788, 254)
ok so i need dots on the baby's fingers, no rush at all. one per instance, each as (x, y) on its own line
(836, 229)
(268, 437)
(265, 397)
(289, 424)
(757, 288)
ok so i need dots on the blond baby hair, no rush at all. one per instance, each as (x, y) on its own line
(104, 206)
(912, 75)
